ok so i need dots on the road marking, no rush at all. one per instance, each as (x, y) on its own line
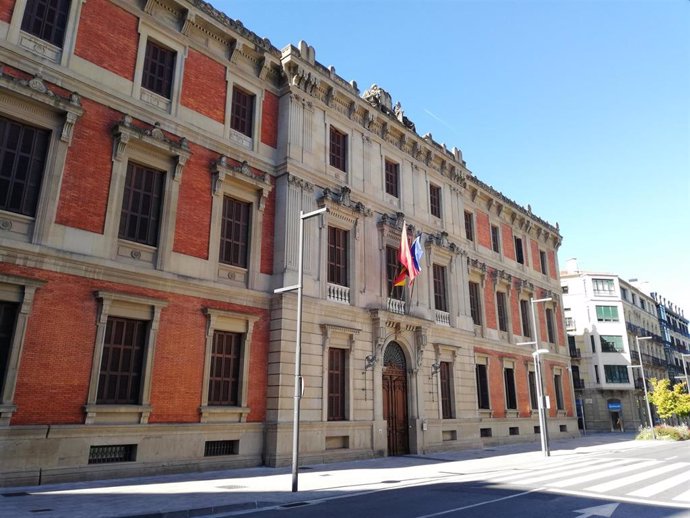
(663, 485)
(615, 484)
(683, 497)
(626, 499)
(603, 474)
(539, 472)
(561, 473)
(605, 510)
(479, 504)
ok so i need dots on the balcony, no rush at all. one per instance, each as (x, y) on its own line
(395, 306)
(575, 353)
(443, 318)
(338, 293)
(578, 384)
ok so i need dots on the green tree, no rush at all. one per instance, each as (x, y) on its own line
(669, 401)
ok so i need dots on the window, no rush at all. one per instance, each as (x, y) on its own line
(611, 344)
(603, 287)
(23, 151)
(469, 226)
(543, 263)
(591, 340)
(440, 299)
(336, 384)
(234, 232)
(524, 315)
(141, 204)
(607, 313)
(550, 331)
(509, 381)
(392, 270)
(392, 178)
(242, 117)
(159, 69)
(435, 200)
(8, 316)
(624, 293)
(495, 239)
(519, 251)
(616, 374)
(47, 20)
(502, 311)
(482, 387)
(337, 256)
(224, 378)
(596, 373)
(558, 385)
(338, 150)
(475, 304)
(446, 391)
(122, 361)
(532, 382)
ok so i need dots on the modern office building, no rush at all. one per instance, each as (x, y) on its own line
(155, 158)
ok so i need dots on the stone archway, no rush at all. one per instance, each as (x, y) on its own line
(395, 399)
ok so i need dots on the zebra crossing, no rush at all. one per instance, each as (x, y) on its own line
(636, 478)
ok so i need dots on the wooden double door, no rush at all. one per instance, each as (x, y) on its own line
(395, 409)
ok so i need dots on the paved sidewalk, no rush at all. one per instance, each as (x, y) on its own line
(224, 493)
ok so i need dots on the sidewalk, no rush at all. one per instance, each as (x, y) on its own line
(227, 492)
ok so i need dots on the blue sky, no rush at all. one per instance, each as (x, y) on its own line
(580, 108)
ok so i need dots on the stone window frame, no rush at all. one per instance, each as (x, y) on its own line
(496, 236)
(504, 284)
(153, 149)
(477, 273)
(483, 360)
(439, 251)
(327, 332)
(148, 32)
(31, 102)
(509, 363)
(137, 307)
(394, 173)
(234, 322)
(241, 183)
(534, 410)
(448, 354)
(436, 188)
(250, 87)
(21, 290)
(41, 48)
(558, 371)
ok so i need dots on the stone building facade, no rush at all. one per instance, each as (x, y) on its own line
(155, 158)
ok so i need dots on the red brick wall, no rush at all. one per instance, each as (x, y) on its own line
(108, 37)
(508, 245)
(6, 8)
(193, 223)
(490, 301)
(558, 316)
(536, 263)
(55, 369)
(515, 312)
(496, 382)
(483, 229)
(204, 88)
(496, 388)
(268, 232)
(522, 388)
(553, 272)
(88, 168)
(269, 121)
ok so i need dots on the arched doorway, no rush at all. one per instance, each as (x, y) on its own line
(395, 399)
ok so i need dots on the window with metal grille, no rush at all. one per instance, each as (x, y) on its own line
(509, 382)
(514, 430)
(337, 256)
(435, 200)
(440, 297)
(242, 117)
(495, 239)
(47, 20)
(446, 391)
(558, 385)
(224, 377)
(550, 331)
(502, 311)
(159, 69)
(336, 384)
(482, 387)
(532, 382)
(469, 225)
(393, 268)
(121, 364)
(141, 204)
(220, 448)
(23, 151)
(234, 232)
(519, 251)
(338, 149)
(543, 262)
(475, 304)
(392, 176)
(8, 317)
(112, 453)
(524, 316)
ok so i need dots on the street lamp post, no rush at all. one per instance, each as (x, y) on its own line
(299, 382)
(541, 400)
(644, 381)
